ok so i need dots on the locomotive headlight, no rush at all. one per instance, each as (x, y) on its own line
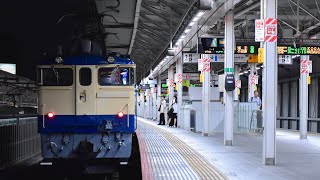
(59, 59)
(51, 115)
(111, 59)
(120, 114)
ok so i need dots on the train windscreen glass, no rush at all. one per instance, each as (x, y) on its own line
(118, 76)
(55, 76)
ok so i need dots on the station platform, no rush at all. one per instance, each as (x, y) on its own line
(174, 153)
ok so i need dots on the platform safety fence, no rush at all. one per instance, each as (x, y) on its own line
(19, 140)
(248, 117)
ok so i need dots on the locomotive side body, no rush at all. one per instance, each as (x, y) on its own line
(87, 108)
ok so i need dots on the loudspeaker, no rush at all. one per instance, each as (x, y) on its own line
(171, 52)
(204, 4)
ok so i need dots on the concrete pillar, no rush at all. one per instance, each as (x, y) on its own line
(150, 104)
(252, 86)
(147, 104)
(171, 89)
(153, 104)
(270, 90)
(303, 99)
(179, 70)
(158, 96)
(205, 100)
(142, 104)
(229, 69)
(236, 77)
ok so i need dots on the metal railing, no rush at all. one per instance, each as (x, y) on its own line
(245, 117)
(313, 123)
(19, 139)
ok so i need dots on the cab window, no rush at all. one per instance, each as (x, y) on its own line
(55, 76)
(85, 76)
(116, 76)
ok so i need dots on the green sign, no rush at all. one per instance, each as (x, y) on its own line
(290, 50)
(164, 85)
(246, 49)
(228, 69)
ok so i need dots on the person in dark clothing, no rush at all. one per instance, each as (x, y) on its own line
(173, 113)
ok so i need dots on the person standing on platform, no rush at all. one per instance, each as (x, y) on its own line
(174, 106)
(256, 99)
(162, 110)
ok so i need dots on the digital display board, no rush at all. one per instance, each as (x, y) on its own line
(216, 46)
(290, 50)
(211, 45)
(246, 49)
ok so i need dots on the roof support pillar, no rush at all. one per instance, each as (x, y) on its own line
(270, 89)
(229, 63)
(205, 100)
(236, 77)
(171, 79)
(158, 96)
(303, 101)
(251, 85)
(179, 71)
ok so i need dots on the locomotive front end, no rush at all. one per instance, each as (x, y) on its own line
(87, 109)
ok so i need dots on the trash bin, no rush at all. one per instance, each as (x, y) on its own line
(193, 120)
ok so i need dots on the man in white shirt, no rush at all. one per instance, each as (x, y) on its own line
(256, 99)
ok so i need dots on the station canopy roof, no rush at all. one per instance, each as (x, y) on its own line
(144, 28)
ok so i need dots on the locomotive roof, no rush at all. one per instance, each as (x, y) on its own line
(87, 60)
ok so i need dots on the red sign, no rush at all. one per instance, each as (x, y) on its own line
(179, 78)
(238, 83)
(304, 67)
(171, 82)
(271, 30)
(259, 30)
(206, 65)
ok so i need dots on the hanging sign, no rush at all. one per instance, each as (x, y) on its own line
(190, 57)
(180, 78)
(206, 65)
(270, 33)
(191, 76)
(200, 64)
(259, 30)
(238, 83)
(238, 58)
(261, 55)
(310, 66)
(285, 59)
(253, 79)
(304, 67)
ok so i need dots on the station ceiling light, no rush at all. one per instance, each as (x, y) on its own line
(188, 29)
(181, 38)
(191, 23)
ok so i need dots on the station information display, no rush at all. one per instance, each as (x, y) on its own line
(246, 49)
(216, 46)
(290, 50)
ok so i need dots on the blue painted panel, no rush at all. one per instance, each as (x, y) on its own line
(85, 124)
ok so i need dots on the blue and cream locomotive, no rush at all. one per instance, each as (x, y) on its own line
(86, 108)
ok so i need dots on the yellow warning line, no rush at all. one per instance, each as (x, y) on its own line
(198, 163)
